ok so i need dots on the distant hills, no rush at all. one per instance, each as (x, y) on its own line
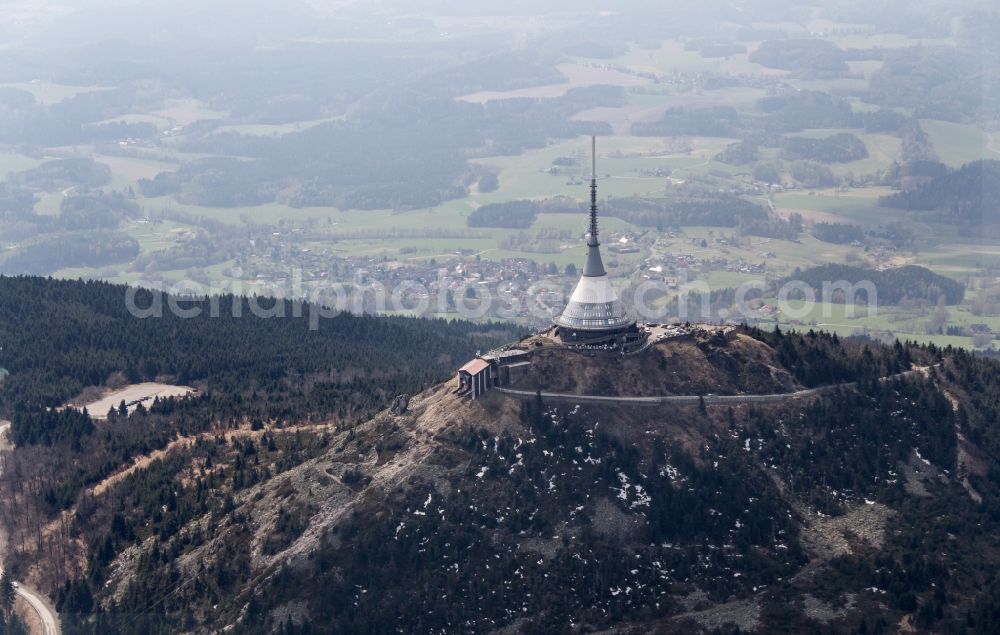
(892, 285)
(966, 197)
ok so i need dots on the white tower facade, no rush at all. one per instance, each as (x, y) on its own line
(594, 308)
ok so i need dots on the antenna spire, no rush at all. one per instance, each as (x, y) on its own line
(593, 192)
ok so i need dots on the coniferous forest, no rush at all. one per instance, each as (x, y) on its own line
(58, 337)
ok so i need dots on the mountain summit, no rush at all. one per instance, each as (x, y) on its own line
(768, 481)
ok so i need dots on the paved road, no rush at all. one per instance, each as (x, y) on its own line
(710, 400)
(46, 614)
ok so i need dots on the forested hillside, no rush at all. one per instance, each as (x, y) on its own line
(839, 148)
(839, 284)
(514, 215)
(840, 233)
(892, 285)
(965, 197)
(58, 337)
(846, 511)
(694, 207)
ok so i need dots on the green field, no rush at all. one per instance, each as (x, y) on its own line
(273, 130)
(961, 258)
(660, 95)
(883, 150)
(126, 171)
(729, 279)
(48, 204)
(671, 57)
(857, 206)
(904, 324)
(13, 162)
(156, 236)
(628, 161)
(957, 143)
(159, 122)
(48, 93)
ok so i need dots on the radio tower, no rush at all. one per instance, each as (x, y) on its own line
(593, 311)
(594, 266)
(593, 191)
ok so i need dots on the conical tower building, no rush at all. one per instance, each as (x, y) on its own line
(594, 312)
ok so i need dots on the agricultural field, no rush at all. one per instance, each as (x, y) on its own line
(883, 150)
(835, 205)
(626, 165)
(14, 162)
(887, 321)
(958, 143)
(49, 93)
(272, 129)
(577, 75)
